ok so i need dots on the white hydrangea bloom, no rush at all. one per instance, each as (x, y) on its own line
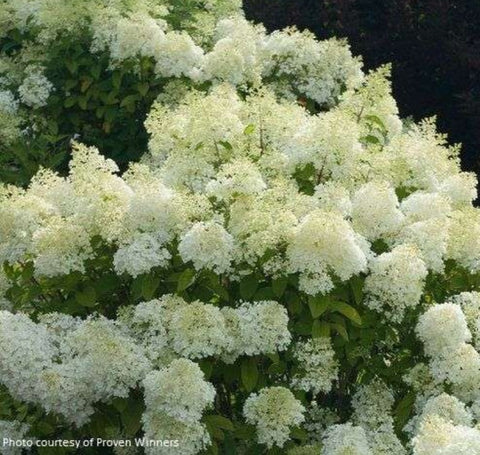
(207, 245)
(375, 210)
(66, 371)
(198, 330)
(324, 242)
(395, 282)
(146, 323)
(442, 328)
(193, 438)
(316, 358)
(235, 55)
(464, 238)
(460, 188)
(60, 247)
(12, 430)
(384, 441)
(236, 178)
(345, 438)
(274, 410)
(143, 253)
(333, 197)
(449, 408)
(470, 303)
(263, 327)
(439, 437)
(431, 239)
(35, 89)
(310, 67)
(177, 55)
(179, 391)
(422, 206)
(372, 405)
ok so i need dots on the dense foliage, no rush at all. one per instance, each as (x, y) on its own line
(290, 268)
(433, 46)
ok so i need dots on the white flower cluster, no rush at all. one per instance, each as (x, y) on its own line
(35, 88)
(197, 330)
(319, 367)
(14, 430)
(175, 398)
(345, 438)
(443, 423)
(274, 411)
(66, 365)
(373, 405)
(396, 281)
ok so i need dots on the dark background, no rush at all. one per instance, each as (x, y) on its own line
(433, 45)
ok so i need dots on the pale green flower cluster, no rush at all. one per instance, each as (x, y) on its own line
(274, 411)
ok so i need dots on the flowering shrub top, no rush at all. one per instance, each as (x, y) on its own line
(266, 280)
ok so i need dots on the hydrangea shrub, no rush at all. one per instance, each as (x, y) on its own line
(289, 269)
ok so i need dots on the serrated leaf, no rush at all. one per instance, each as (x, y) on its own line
(347, 310)
(318, 305)
(249, 373)
(248, 286)
(185, 280)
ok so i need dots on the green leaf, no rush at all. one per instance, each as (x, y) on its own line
(219, 421)
(185, 280)
(347, 310)
(248, 286)
(279, 285)
(132, 417)
(70, 101)
(249, 373)
(376, 120)
(403, 410)
(356, 284)
(299, 433)
(318, 305)
(129, 100)
(143, 87)
(87, 297)
(320, 329)
(117, 79)
(341, 330)
(371, 139)
(249, 129)
(226, 145)
(150, 284)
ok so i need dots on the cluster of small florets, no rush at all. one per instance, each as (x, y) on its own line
(241, 180)
(67, 365)
(274, 411)
(318, 365)
(175, 398)
(444, 423)
(197, 330)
